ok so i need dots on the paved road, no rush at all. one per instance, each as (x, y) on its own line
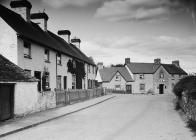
(126, 117)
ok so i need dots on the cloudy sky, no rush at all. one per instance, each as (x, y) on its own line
(112, 30)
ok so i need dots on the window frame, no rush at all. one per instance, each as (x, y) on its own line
(59, 62)
(59, 83)
(27, 45)
(142, 87)
(73, 81)
(47, 56)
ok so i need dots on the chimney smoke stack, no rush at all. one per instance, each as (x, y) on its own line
(66, 33)
(76, 41)
(41, 18)
(22, 7)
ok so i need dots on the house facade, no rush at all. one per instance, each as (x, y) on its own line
(52, 59)
(117, 78)
(155, 78)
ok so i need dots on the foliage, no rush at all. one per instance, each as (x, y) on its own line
(186, 84)
(77, 68)
(192, 125)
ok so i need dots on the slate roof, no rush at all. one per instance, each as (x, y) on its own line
(34, 33)
(150, 68)
(144, 68)
(10, 72)
(108, 73)
(172, 69)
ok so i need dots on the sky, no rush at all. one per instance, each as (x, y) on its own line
(112, 30)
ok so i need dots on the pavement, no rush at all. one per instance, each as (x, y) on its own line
(19, 124)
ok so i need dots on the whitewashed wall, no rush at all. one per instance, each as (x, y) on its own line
(28, 100)
(37, 63)
(8, 42)
(25, 97)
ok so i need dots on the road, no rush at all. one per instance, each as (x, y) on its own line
(125, 117)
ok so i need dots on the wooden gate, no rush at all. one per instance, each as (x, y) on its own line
(6, 101)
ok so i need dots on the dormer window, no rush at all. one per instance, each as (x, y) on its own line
(117, 78)
(27, 49)
(141, 76)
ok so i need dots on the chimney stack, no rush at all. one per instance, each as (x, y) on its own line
(127, 61)
(41, 19)
(67, 33)
(76, 41)
(176, 63)
(157, 61)
(22, 7)
(100, 65)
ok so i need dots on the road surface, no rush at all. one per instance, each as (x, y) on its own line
(125, 117)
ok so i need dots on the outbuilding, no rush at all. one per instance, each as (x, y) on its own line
(17, 90)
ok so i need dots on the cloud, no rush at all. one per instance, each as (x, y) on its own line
(114, 50)
(118, 10)
(63, 3)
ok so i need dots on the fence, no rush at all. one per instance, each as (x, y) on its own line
(64, 97)
(109, 90)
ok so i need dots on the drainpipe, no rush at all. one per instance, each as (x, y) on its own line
(56, 70)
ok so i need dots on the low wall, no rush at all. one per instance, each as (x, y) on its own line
(28, 100)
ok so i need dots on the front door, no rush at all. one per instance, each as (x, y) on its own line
(161, 89)
(6, 101)
(65, 82)
(37, 75)
(129, 89)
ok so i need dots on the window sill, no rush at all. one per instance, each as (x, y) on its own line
(27, 56)
(59, 64)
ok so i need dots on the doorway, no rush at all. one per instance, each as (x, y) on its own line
(65, 82)
(129, 89)
(37, 75)
(161, 88)
(6, 101)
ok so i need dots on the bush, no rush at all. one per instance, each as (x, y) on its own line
(192, 125)
(186, 84)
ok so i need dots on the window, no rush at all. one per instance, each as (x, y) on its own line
(58, 82)
(74, 64)
(93, 70)
(118, 77)
(27, 49)
(88, 68)
(59, 59)
(141, 76)
(73, 81)
(46, 55)
(161, 75)
(142, 86)
(117, 86)
(46, 81)
(28, 72)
